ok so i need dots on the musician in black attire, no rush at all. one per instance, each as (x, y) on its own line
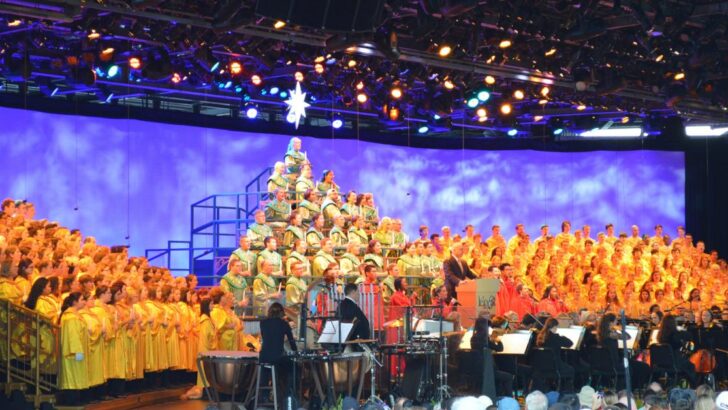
(273, 330)
(708, 335)
(548, 338)
(608, 338)
(456, 270)
(351, 313)
(669, 334)
(480, 340)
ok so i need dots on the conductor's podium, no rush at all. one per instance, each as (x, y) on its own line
(476, 296)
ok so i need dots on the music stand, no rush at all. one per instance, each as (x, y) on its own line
(633, 338)
(335, 332)
(573, 333)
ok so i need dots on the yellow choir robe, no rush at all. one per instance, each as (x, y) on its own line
(228, 326)
(47, 306)
(172, 336)
(95, 357)
(185, 321)
(192, 338)
(128, 335)
(74, 339)
(206, 341)
(156, 354)
(142, 333)
(9, 290)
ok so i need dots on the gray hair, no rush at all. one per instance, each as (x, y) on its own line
(536, 401)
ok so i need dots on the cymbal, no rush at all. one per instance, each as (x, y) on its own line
(394, 323)
(455, 333)
(358, 341)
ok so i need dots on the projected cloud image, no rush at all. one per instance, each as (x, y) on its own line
(138, 179)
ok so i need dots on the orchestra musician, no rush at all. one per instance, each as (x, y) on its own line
(608, 338)
(273, 331)
(351, 313)
(708, 335)
(448, 306)
(669, 334)
(480, 340)
(548, 338)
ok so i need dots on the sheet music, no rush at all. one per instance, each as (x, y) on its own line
(330, 332)
(573, 333)
(634, 336)
(513, 343)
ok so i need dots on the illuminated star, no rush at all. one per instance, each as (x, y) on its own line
(297, 105)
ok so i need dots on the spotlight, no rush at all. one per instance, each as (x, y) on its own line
(93, 35)
(506, 109)
(512, 132)
(274, 90)
(351, 63)
(14, 23)
(113, 71)
(236, 68)
(256, 80)
(543, 102)
(176, 78)
(291, 118)
(360, 85)
(545, 91)
(396, 93)
(279, 24)
(550, 52)
(483, 95)
(393, 113)
(489, 79)
(483, 119)
(448, 84)
(473, 102)
(679, 76)
(362, 98)
(558, 131)
(318, 68)
(625, 119)
(519, 95)
(283, 94)
(135, 63)
(298, 76)
(505, 43)
(251, 111)
(481, 112)
(444, 51)
(337, 122)
(659, 58)
(538, 118)
(581, 107)
(423, 129)
(106, 54)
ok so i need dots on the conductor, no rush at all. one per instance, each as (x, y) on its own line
(351, 313)
(456, 270)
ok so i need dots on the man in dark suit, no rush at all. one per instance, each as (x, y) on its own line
(456, 270)
(351, 313)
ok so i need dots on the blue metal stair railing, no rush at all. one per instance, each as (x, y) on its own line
(255, 186)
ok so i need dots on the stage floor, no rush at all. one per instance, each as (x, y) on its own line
(179, 405)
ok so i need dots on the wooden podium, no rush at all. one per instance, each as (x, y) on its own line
(476, 296)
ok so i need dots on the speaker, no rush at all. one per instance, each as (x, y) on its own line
(331, 15)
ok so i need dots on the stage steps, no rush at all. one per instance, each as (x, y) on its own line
(134, 401)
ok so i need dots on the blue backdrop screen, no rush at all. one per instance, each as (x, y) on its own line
(124, 178)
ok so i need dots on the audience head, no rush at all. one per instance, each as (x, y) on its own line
(537, 401)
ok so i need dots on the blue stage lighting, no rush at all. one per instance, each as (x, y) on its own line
(483, 95)
(512, 132)
(274, 90)
(423, 129)
(558, 131)
(283, 94)
(473, 102)
(337, 123)
(251, 112)
(113, 71)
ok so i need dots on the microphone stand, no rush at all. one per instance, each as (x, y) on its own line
(627, 377)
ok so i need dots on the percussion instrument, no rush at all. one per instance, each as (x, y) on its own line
(335, 372)
(223, 371)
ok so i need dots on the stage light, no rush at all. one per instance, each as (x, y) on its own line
(581, 107)
(550, 52)
(519, 94)
(206, 59)
(543, 102)
(283, 94)
(448, 84)
(337, 122)
(274, 90)
(176, 78)
(113, 71)
(679, 76)
(318, 68)
(659, 58)
(393, 113)
(545, 91)
(135, 63)
(256, 80)
(483, 119)
(481, 112)
(505, 43)
(625, 119)
(512, 132)
(362, 98)
(436, 117)
(14, 23)
(506, 109)
(319, 59)
(558, 131)
(251, 111)
(538, 118)
(298, 76)
(444, 51)
(396, 93)
(473, 102)
(236, 68)
(360, 85)
(279, 24)
(423, 129)
(351, 63)
(705, 131)
(106, 54)
(93, 35)
(483, 95)
(626, 132)
(489, 79)
(291, 118)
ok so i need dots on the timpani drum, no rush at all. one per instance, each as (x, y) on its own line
(225, 372)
